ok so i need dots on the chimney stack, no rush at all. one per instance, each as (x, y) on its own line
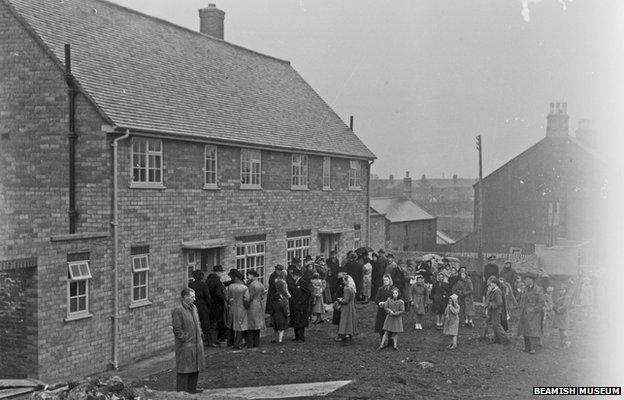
(391, 178)
(211, 21)
(557, 120)
(407, 185)
(586, 133)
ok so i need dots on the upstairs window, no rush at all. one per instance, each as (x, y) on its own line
(299, 171)
(146, 161)
(355, 175)
(326, 173)
(251, 162)
(210, 167)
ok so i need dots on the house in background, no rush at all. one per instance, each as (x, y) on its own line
(555, 193)
(160, 151)
(398, 223)
(450, 200)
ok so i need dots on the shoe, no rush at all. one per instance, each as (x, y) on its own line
(296, 340)
(212, 345)
(452, 347)
(273, 341)
(471, 324)
(531, 351)
(420, 327)
(394, 348)
(380, 348)
(339, 339)
(415, 327)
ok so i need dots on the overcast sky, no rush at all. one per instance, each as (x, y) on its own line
(423, 77)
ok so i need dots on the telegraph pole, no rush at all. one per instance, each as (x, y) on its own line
(480, 211)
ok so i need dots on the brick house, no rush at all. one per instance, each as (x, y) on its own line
(399, 224)
(173, 150)
(556, 191)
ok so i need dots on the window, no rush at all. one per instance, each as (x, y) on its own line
(250, 169)
(210, 167)
(147, 161)
(326, 173)
(355, 172)
(140, 278)
(193, 261)
(78, 289)
(299, 171)
(251, 256)
(298, 247)
(357, 236)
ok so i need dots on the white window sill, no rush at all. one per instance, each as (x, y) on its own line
(327, 189)
(139, 303)
(77, 317)
(146, 185)
(355, 189)
(250, 187)
(299, 188)
(211, 187)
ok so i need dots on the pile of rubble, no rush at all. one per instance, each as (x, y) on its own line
(91, 389)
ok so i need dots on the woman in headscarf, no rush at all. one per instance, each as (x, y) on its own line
(383, 294)
(348, 323)
(202, 302)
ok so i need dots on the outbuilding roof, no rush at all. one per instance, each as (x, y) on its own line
(399, 209)
(149, 75)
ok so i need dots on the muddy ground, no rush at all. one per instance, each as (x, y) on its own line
(474, 370)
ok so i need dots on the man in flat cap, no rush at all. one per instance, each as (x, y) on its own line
(530, 308)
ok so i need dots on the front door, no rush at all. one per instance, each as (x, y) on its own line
(203, 259)
(328, 242)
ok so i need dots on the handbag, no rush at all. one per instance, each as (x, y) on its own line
(337, 306)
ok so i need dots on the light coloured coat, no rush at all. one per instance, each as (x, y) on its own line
(238, 296)
(530, 307)
(189, 346)
(255, 313)
(348, 319)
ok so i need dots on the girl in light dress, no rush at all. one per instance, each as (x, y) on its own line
(393, 324)
(451, 321)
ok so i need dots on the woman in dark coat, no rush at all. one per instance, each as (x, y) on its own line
(383, 294)
(202, 302)
(338, 293)
(218, 330)
(378, 272)
(272, 288)
(440, 293)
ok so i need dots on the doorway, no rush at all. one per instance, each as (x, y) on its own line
(327, 243)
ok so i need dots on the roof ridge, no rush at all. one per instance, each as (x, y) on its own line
(161, 20)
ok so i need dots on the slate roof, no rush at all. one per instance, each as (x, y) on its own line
(399, 209)
(150, 75)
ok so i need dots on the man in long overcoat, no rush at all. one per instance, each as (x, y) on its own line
(218, 330)
(203, 301)
(530, 310)
(238, 303)
(189, 346)
(300, 300)
(255, 314)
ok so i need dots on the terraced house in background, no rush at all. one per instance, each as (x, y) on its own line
(134, 151)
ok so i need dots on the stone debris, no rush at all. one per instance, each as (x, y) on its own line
(425, 364)
(91, 389)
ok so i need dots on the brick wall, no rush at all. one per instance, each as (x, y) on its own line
(412, 235)
(377, 232)
(18, 322)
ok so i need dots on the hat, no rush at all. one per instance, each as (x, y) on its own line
(279, 267)
(508, 262)
(308, 257)
(295, 260)
(253, 272)
(390, 255)
(234, 273)
(217, 268)
(492, 279)
(316, 275)
(529, 275)
(454, 297)
(197, 274)
(381, 251)
(419, 276)
(491, 258)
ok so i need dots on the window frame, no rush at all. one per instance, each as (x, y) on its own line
(137, 272)
(326, 173)
(207, 171)
(299, 172)
(299, 251)
(355, 175)
(243, 259)
(148, 154)
(73, 279)
(357, 236)
(254, 158)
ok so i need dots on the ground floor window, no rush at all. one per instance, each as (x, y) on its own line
(193, 262)
(357, 236)
(79, 275)
(251, 256)
(140, 278)
(298, 247)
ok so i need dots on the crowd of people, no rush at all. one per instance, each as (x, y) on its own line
(228, 307)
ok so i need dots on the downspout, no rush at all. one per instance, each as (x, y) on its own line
(368, 226)
(115, 223)
(72, 136)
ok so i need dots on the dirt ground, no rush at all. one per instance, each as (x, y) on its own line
(474, 370)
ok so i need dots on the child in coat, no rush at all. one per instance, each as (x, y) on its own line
(393, 324)
(419, 296)
(318, 306)
(451, 320)
(561, 321)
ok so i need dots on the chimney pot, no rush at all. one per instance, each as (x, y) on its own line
(211, 21)
(557, 120)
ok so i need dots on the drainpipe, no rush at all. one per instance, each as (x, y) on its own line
(368, 226)
(115, 223)
(72, 136)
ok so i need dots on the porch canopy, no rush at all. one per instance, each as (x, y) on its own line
(206, 244)
(333, 231)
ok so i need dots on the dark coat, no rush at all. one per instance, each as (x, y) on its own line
(189, 346)
(279, 312)
(383, 294)
(509, 274)
(217, 298)
(377, 276)
(440, 293)
(300, 301)
(271, 292)
(202, 302)
(338, 292)
(398, 280)
(354, 269)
